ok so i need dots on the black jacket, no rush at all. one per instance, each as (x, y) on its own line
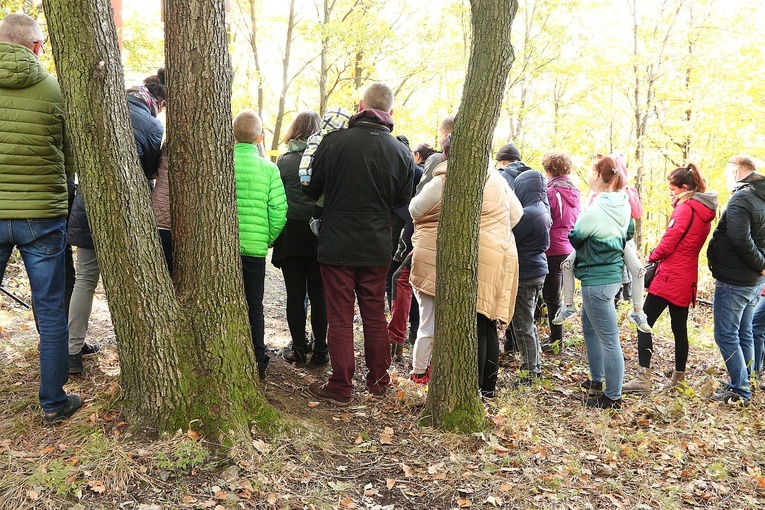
(512, 171)
(736, 253)
(148, 133)
(77, 229)
(532, 233)
(364, 173)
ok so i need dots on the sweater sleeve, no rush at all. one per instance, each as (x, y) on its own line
(427, 199)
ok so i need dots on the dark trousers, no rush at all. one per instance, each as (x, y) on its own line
(551, 294)
(367, 284)
(166, 238)
(653, 306)
(254, 276)
(488, 355)
(301, 274)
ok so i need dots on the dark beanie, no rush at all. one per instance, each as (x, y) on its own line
(403, 139)
(508, 152)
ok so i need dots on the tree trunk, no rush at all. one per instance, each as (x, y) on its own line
(173, 372)
(285, 78)
(453, 400)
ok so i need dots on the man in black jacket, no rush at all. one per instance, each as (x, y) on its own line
(736, 257)
(364, 173)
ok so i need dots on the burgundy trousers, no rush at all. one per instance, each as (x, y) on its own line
(399, 312)
(367, 284)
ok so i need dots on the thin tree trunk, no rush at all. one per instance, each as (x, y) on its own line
(453, 400)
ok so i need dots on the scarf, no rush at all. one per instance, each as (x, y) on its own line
(142, 93)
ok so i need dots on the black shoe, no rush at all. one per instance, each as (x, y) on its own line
(551, 347)
(75, 363)
(90, 348)
(319, 358)
(730, 396)
(262, 365)
(295, 357)
(595, 389)
(73, 403)
(603, 402)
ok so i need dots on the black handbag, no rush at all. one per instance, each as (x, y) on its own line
(650, 269)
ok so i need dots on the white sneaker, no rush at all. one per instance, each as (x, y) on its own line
(641, 321)
(564, 313)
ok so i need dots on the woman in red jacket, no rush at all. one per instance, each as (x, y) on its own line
(674, 284)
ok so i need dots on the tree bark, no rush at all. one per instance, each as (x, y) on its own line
(186, 359)
(453, 399)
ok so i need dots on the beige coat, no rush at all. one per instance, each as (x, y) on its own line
(497, 255)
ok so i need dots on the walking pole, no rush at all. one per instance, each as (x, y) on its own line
(12, 296)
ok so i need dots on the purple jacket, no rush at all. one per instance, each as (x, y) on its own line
(564, 201)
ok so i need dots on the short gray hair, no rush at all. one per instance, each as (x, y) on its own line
(21, 29)
(378, 96)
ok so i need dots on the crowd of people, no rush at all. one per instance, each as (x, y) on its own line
(352, 213)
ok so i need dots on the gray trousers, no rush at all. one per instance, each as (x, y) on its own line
(87, 274)
(524, 327)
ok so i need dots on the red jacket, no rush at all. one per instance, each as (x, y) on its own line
(678, 255)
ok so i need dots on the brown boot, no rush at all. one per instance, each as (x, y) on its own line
(641, 384)
(678, 379)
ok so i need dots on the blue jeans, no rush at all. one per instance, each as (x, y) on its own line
(733, 311)
(758, 331)
(601, 337)
(254, 276)
(41, 244)
(524, 327)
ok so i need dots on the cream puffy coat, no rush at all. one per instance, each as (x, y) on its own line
(497, 254)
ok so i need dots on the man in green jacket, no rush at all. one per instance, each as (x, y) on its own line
(33, 197)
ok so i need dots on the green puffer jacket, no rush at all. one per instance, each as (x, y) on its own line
(260, 200)
(32, 139)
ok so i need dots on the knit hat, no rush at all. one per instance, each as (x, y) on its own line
(508, 152)
(403, 139)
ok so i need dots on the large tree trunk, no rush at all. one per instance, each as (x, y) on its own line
(186, 361)
(453, 400)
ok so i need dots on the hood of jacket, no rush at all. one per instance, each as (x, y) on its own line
(296, 145)
(612, 204)
(708, 200)
(515, 168)
(19, 67)
(531, 188)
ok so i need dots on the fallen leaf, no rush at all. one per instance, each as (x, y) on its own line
(271, 498)
(390, 482)
(221, 495)
(386, 439)
(359, 440)
(464, 503)
(407, 470)
(32, 495)
(96, 486)
(348, 504)
(313, 404)
(192, 434)
(261, 446)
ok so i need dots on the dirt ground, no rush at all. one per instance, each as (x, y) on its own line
(543, 449)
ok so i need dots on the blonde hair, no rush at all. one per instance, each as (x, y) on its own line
(378, 96)
(247, 126)
(744, 162)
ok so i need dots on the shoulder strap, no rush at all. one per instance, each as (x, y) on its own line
(693, 215)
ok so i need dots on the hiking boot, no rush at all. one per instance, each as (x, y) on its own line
(321, 392)
(677, 381)
(641, 383)
(641, 321)
(595, 390)
(262, 365)
(586, 384)
(295, 357)
(319, 358)
(603, 402)
(551, 347)
(396, 351)
(728, 396)
(75, 363)
(564, 313)
(90, 348)
(73, 403)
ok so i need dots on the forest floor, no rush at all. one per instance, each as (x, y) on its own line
(543, 448)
